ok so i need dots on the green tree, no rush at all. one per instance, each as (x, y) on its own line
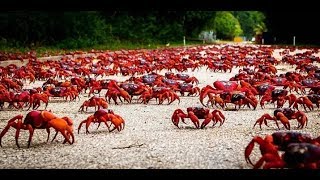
(37, 28)
(88, 28)
(197, 21)
(252, 22)
(146, 26)
(226, 25)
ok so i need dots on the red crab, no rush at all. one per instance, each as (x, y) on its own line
(196, 113)
(284, 115)
(40, 120)
(301, 151)
(226, 85)
(103, 115)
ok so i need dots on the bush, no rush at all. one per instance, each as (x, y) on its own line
(227, 26)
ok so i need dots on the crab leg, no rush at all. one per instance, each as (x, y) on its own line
(194, 119)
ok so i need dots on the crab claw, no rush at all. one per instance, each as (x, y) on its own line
(263, 119)
(11, 123)
(194, 119)
(177, 114)
(284, 120)
(248, 151)
(219, 116)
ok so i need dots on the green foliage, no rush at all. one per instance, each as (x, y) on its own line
(237, 31)
(87, 29)
(83, 29)
(226, 25)
(252, 22)
(259, 29)
(197, 21)
(47, 28)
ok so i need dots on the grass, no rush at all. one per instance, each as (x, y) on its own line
(117, 45)
(54, 50)
(297, 45)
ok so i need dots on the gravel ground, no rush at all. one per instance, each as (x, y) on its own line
(149, 139)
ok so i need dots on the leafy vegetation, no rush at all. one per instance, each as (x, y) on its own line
(252, 22)
(88, 29)
(226, 25)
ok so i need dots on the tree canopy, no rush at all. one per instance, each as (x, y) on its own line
(84, 29)
(226, 25)
(252, 22)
